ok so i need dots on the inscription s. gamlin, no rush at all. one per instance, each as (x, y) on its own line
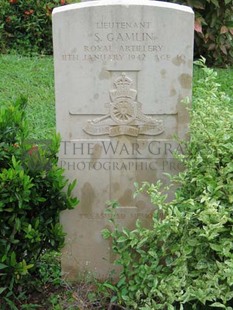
(124, 115)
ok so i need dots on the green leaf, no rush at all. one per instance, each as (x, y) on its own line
(3, 266)
(198, 4)
(13, 259)
(113, 299)
(215, 2)
(71, 186)
(216, 247)
(121, 239)
(14, 162)
(229, 23)
(121, 281)
(106, 233)
(2, 289)
(218, 305)
(11, 304)
(109, 285)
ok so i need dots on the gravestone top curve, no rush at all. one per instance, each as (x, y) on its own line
(159, 4)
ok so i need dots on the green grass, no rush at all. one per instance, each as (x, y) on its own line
(34, 78)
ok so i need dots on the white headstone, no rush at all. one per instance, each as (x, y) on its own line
(122, 69)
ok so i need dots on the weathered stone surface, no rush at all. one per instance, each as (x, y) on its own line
(122, 69)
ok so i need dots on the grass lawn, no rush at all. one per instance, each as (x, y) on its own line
(34, 78)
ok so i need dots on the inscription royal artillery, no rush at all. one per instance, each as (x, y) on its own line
(125, 116)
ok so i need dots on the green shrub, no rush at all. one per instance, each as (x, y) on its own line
(26, 27)
(32, 197)
(186, 260)
(214, 30)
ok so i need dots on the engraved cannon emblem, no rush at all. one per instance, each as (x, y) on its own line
(125, 116)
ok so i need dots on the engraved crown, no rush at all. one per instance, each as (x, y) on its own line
(123, 80)
(123, 90)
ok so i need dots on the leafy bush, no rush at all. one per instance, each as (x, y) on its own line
(26, 27)
(186, 260)
(32, 197)
(214, 30)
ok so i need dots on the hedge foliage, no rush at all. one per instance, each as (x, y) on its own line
(213, 30)
(185, 261)
(26, 26)
(32, 197)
